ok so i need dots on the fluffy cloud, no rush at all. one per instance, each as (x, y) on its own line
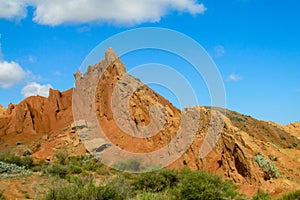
(13, 9)
(234, 77)
(10, 74)
(33, 89)
(219, 51)
(130, 12)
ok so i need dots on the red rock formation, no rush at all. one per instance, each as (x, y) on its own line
(2, 109)
(47, 121)
(38, 121)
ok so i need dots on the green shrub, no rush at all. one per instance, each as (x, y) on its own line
(271, 171)
(261, 195)
(57, 170)
(40, 166)
(122, 186)
(291, 196)
(1, 196)
(92, 164)
(13, 159)
(83, 189)
(102, 171)
(130, 165)
(27, 162)
(27, 153)
(7, 169)
(273, 158)
(156, 181)
(62, 157)
(154, 196)
(201, 185)
(73, 169)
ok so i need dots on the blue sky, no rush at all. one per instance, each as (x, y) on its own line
(254, 43)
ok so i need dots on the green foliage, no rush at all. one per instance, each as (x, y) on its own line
(92, 164)
(62, 157)
(83, 188)
(27, 162)
(122, 186)
(273, 158)
(7, 169)
(261, 195)
(201, 185)
(163, 184)
(156, 181)
(27, 153)
(64, 166)
(40, 166)
(19, 161)
(154, 196)
(291, 196)
(57, 169)
(130, 165)
(1, 196)
(73, 169)
(271, 171)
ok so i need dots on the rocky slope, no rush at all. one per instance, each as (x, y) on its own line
(2, 109)
(123, 105)
(38, 124)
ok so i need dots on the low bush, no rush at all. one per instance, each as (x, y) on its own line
(154, 196)
(62, 157)
(1, 196)
(291, 196)
(73, 169)
(270, 169)
(19, 161)
(8, 169)
(92, 164)
(27, 153)
(83, 188)
(130, 165)
(261, 195)
(156, 181)
(163, 184)
(57, 169)
(201, 185)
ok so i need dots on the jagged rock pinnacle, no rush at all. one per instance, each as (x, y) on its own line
(110, 55)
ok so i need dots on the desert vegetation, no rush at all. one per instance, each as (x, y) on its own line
(84, 177)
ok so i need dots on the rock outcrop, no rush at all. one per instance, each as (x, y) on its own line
(240, 139)
(36, 122)
(136, 119)
(2, 109)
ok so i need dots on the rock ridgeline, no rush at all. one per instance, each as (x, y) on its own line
(101, 91)
(240, 139)
(36, 116)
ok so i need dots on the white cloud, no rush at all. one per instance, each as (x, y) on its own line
(129, 12)
(234, 77)
(10, 74)
(13, 9)
(33, 89)
(219, 51)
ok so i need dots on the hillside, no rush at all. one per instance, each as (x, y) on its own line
(2, 109)
(45, 125)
